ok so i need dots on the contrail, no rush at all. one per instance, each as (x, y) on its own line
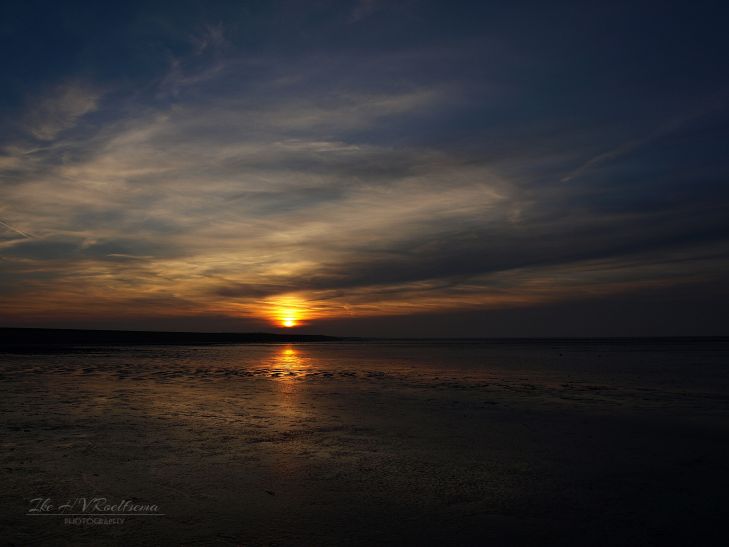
(21, 232)
(667, 128)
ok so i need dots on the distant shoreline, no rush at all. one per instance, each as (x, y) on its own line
(16, 338)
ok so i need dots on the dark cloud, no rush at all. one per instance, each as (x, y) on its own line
(689, 310)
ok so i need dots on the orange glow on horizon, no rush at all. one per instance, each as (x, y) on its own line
(288, 311)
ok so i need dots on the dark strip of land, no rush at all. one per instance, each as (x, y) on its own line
(14, 339)
(35, 340)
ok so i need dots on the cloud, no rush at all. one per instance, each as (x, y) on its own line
(666, 128)
(60, 109)
(363, 9)
(15, 230)
(211, 37)
(236, 184)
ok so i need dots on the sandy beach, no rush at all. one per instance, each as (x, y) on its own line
(541, 443)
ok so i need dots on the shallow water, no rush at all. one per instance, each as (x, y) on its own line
(513, 443)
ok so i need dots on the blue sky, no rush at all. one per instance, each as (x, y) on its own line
(401, 168)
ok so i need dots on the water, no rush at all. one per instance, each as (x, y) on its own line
(403, 442)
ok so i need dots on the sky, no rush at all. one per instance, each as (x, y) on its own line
(366, 167)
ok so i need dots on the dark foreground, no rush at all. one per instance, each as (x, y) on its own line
(520, 443)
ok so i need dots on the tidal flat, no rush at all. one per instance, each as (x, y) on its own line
(523, 442)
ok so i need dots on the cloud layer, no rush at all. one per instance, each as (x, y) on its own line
(406, 173)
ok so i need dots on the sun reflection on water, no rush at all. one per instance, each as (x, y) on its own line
(289, 362)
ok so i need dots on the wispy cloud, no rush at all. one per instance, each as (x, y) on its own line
(60, 109)
(664, 129)
(237, 180)
(16, 230)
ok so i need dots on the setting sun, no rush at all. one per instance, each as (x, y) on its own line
(288, 311)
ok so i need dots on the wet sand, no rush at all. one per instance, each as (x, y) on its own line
(369, 444)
